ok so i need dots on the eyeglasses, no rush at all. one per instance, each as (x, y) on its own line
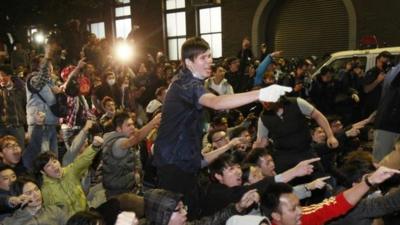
(180, 209)
(12, 146)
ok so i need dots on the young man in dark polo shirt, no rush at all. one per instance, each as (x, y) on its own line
(177, 150)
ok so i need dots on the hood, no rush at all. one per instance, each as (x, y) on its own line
(110, 138)
(159, 205)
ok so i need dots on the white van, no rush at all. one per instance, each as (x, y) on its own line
(366, 57)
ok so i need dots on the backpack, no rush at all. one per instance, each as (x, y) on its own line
(60, 108)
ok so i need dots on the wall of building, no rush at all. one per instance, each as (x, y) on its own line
(372, 17)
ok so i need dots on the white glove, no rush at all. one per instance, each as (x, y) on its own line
(126, 218)
(273, 93)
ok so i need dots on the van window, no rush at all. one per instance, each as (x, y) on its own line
(340, 64)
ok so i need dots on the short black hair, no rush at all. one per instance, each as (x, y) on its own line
(384, 54)
(86, 218)
(223, 161)
(255, 154)
(6, 167)
(192, 48)
(119, 119)
(325, 70)
(16, 188)
(7, 69)
(270, 198)
(39, 164)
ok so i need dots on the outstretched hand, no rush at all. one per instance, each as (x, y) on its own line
(273, 93)
(248, 199)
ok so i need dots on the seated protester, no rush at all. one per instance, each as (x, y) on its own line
(33, 211)
(11, 153)
(156, 103)
(251, 174)
(122, 167)
(370, 207)
(90, 179)
(262, 159)
(62, 185)
(78, 107)
(327, 155)
(220, 122)
(244, 133)
(347, 136)
(163, 207)
(218, 139)
(226, 182)
(282, 207)
(86, 218)
(220, 147)
(108, 104)
(7, 202)
(355, 165)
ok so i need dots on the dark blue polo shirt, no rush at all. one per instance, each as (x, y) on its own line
(178, 141)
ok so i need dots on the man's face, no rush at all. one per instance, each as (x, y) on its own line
(319, 135)
(336, 126)
(382, 61)
(33, 192)
(11, 153)
(234, 66)
(267, 166)
(128, 127)
(220, 73)
(178, 217)
(247, 142)
(4, 79)
(109, 107)
(201, 65)
(7, 176)
(327, 78)
(53, 168)
(219, 139)
(289, 210)
(231, 176)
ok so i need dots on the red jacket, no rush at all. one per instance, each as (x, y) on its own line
(319, 214)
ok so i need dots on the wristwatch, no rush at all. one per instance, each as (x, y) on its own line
(367, 181)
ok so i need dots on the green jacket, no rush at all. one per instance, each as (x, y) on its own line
(67, 191)
(50, 215)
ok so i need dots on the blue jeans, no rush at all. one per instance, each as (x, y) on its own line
(49, 140)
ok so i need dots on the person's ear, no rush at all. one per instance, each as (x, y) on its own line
(188, 63)
(276, 216)
(218, 177)
(1, 154)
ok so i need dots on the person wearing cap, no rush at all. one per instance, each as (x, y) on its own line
(177, 149)
(155, 104)
(12, 105)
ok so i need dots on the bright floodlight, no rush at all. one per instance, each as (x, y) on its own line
(124, 51)
(39, 38)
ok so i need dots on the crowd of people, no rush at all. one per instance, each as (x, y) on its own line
(86, 139)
